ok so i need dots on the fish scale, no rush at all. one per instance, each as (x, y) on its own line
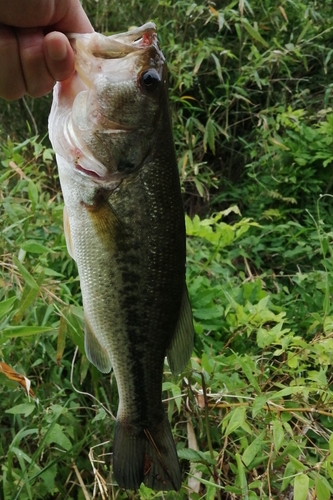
(124, 226)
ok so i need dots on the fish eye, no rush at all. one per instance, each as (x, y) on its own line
(149, 80)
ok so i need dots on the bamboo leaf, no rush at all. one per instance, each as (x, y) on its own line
(6, 306)
(301, 487)
(236, 420)
(34, 247)
(241, 474)
(252, 450)
(209, 135)
(278, 434)
(254, 33)
(322, 489)
(25, 331)
(25, 274)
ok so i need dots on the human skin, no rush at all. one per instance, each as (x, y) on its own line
(34, 50)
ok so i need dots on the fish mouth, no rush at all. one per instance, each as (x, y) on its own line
(122, 44)
(118, 45)
(119, 56)
(107, 180)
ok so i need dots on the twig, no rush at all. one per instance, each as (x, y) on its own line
(99, 480)
(87, 393)
(84, 489)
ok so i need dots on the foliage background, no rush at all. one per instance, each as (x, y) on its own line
(251, 98)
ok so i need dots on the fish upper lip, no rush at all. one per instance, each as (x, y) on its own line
(118, 45)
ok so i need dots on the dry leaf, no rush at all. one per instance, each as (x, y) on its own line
(283, 12)
(18, 170)
(17, 377)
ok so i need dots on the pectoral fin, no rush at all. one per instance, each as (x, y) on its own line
(96, 353)
(68, 236)
(181, 347)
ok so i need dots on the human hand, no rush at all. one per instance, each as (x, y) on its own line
(34, 52)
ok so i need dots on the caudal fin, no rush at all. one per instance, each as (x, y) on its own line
(145, 456)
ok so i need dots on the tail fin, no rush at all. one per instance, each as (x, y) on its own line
(145, 456)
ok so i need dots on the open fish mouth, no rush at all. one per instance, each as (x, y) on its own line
(118, 56)
(119, 45)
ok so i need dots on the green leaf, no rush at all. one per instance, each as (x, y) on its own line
(218, 67)
(254, 33)
(6, 306)
(25, 274)
(23, 409)
(195, 456)
(208, 313)
(329, 462)
(23, 456)
(322, 491)
(287, 391)
(74, 317)
(278, 434)
(236, 419)
(241, 476)
(100, 415)
(253, 449)
(25, 331)
(209, 136)
(32, 192)
(288, 475)
(28, 297)
(34, 247)
(248, 366)
(48, 476)
(301, 487)
(57, 436)
(258, 403)
(299, 467)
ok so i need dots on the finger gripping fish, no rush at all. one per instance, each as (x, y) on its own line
(124, 226)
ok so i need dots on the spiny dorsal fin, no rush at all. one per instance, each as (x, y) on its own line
(181, 347)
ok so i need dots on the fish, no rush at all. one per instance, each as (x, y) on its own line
(110, 128)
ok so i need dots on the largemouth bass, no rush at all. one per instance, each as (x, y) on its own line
(124, 226)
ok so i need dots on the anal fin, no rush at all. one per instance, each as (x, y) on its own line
(96, 353)
(181, 346)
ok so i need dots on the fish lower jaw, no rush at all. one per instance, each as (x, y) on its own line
(108, 181)
(88, 173)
